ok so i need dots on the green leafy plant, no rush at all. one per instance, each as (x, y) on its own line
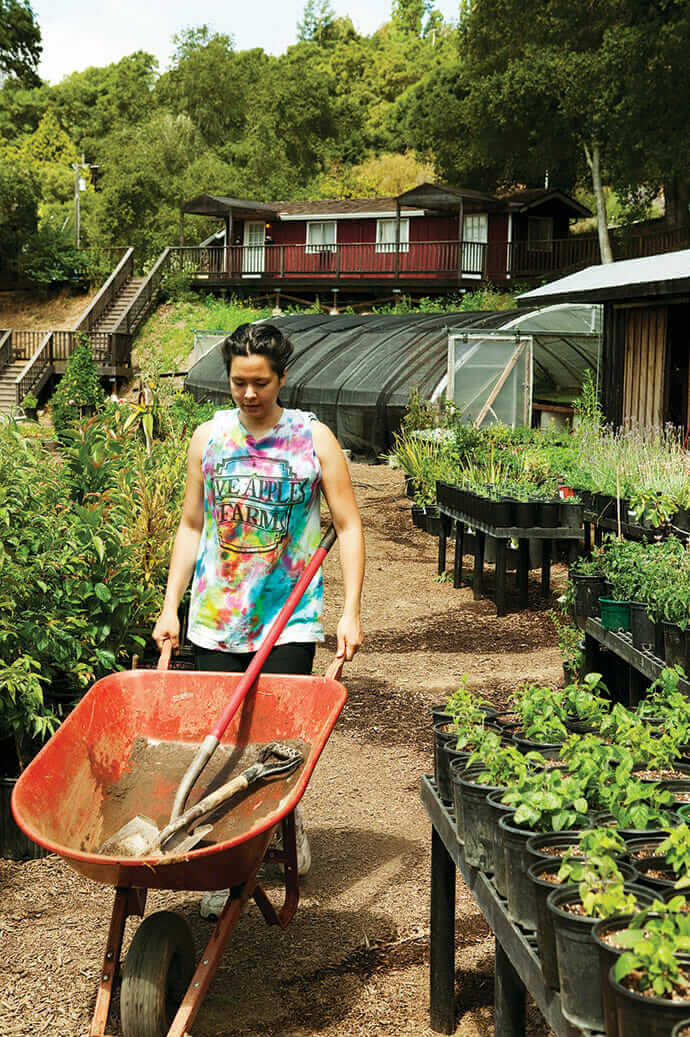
(548, 801)
(23, 713)
(541, 713)
(78, 389)
(653, 957)
(502, 765)
(569, 640)
(676, 850)
(599, 883)
(583, 698)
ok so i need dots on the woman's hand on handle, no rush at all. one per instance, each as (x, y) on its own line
(167, 628)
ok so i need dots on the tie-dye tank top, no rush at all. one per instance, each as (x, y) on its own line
(261, 527)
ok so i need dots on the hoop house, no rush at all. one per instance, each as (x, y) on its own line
(356, 372)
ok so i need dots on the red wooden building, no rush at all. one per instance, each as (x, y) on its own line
(431, 238)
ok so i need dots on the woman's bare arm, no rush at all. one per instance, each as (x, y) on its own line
(340, 496)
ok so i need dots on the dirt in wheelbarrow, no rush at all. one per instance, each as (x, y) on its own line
(354, 961)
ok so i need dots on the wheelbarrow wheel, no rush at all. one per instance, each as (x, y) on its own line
(156, 974)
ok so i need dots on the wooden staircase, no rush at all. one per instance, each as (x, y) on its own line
(28, 359)
(111, 318)
(8, 379)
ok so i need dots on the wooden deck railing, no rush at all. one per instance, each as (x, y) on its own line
(5, 348)
(37, 369)
(496, 261)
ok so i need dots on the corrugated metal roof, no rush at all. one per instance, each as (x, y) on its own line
(666, 274)
(334, 205)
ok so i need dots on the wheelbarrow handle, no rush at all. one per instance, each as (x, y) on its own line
(166, 652)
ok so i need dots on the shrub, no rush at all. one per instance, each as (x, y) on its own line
(79, 389)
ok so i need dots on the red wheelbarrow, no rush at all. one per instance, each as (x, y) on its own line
(122, 751)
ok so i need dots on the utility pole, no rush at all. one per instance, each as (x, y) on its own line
(79, 186)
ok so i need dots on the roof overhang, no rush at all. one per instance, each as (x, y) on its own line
(222, 207)
(381, 215)
(651, 277)
(552, 196)
(441, 196)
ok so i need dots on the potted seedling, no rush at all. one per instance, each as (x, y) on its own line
(587, 579)
(651, 980)
(594, 888)
(542, 719)
(585, 704)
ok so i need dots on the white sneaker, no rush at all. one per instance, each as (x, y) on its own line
(303, 847)
(213, 902)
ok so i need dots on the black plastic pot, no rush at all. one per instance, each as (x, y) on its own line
(522, 906)
(646, 864)
(432, 520)
(586, 590)
(578, 958)
(608, 956)
(681, 519)
(546, 941)
(606, 820)
(457, 767)
(442, 737)
(501, 513)
(549, 750)
(558, 843)
(570, 515)
(14, 845)
(439, 715)
(548, 514)
(497, 810)
(638, 1015)
(507, 721)
(681, 1029)
(418, 519)
(640, 848)
(525, 513)
(643, 628)
(676, 646)
(478, 824)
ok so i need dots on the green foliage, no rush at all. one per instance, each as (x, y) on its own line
(23, 713)
(541, 713)
(583, 698)
(676, 850)
(50, 260)
(548, 801)
(19, 196)
(655, 945)
(20, 40)
(600, 885)
(502, 765)
(78, 389)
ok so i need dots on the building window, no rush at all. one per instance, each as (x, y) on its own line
(385, 235)
(321, 236)
(540, 234)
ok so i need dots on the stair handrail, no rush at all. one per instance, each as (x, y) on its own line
(147, 291)
(5, 347)
(107, 294)
(31, 374)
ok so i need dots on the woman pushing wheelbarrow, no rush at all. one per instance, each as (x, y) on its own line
(251, 521)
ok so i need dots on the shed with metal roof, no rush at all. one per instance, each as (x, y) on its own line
(646, 343)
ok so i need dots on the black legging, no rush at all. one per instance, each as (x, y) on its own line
(294, 658)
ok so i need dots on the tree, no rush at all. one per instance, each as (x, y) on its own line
(19, 196)
(20, 41)
(408, 15)
(317, 19)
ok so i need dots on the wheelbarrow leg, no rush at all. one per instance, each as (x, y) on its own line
(210, 958)
(288, 858)
(128, 901)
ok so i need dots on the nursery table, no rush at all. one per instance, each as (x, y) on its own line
(501, 535)
(517, 968)
(642, 667)
(601, 524)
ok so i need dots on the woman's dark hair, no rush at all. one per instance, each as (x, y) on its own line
(258, 340)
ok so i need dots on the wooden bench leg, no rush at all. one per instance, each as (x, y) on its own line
(509, 998)
(459, 547)
(546, 568)
(442, 539)
(523, 572)
(500, 576)
(479, 541)
(442, 938)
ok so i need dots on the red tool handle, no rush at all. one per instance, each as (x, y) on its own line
(254, 668)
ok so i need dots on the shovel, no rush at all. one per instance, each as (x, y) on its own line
(141, 836)
(136, 837)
